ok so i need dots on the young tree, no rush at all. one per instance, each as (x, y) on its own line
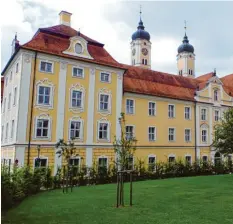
(223, 139)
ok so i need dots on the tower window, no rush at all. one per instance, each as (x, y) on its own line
(145, 61)
(180, 72)
(190, 72)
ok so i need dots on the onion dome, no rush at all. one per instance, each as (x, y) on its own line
(186, 46)
(141, 33)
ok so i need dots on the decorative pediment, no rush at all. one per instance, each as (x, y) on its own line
(215, 80)
(78, 47)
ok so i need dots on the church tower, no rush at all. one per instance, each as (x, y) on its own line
(141, 47)
(186, 58)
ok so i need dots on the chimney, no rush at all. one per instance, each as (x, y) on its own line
(15, 45)
(65, 18)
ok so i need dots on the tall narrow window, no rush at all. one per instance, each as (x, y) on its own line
(188, 160)
(102, 165)
(151, 163)
(12, 128)
(171, 134)
(43, 95)
(4, 105)
(15, 96)
(103, 131)
(129, 131)
(46, 66)
(104, 102)
(205, 159)
(203, 114)
(129, 106)
(129, 163)
(9, 101)
(2, 133)
(76, 98)
(42, 128)
(151, 134)
(75, 129)
(204, 136)
(152, 109)
(216, 115)
(6, 135)
(187, 112)
(17, 68)
(187, 135)
(216, 95)
(171, 111)
(145, 61)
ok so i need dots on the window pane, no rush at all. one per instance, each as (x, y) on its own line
(46, 123)
(45, 132)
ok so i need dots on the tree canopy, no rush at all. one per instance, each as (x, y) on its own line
(223, 139)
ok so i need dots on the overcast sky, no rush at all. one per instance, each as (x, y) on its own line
(112, 23)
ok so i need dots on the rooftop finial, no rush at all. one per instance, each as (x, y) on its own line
(185, 26)
(214, 71)
(15, 35)
(140, 11)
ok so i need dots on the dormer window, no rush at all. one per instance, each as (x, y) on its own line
(78, 48)
(216, 95)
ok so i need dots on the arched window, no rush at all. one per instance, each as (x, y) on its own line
(215, 95)
(217, 159)
(145, 61)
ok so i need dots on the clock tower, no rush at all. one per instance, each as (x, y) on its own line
(141, 47)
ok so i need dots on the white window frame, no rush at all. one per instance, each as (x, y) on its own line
(174, 112)
(11, 74)
(108, 131)
(133, 161)
(6, 131)
(103, 157)
(109, 75)
(204, 129)
(79, 77)
(189, 113)
(45, 117)
(76, 157)
(155, 133)
(4, 105)
(219, 115)
(9, 102)
(205, 114)
(133, 126)
(151, 156)
(134, 105)
(17, 68)
(81, 128)
(12, 128)
(190, 135)
(82, 99)
(172, 155)
(188, 155)
(41, 157)
(2, 133)
(216, 91)
(174, 134)
(206, 157)
(46, 61)
(151, 109)
(15, 95)
(6, 81)
(109, 102)
(50, 96)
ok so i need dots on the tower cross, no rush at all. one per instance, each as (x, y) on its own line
(185, 25)
(140, 11)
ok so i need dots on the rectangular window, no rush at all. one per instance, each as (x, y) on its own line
(9, 101)
(15, 96)
(12, 128)
(102, 165)
(129, 106)
(42, 128)
(151, 134)
(203, 114)
(74, 161)
(129, 163)
(171, 111)
(2, 133)
(204, 159)
(171, 135)
(152, 109)
(104, 100)
(46, 66)
(75, 129)
(104, 77)
(6, 81)
(188, 160)
(11, 76)
(151, 163)
(44, 95)
(78, 72)
(103, 131)
(215, 95)
(204, 136)
(171, 159)
(187, 133)
(6, 135)
(17, 68)
(76, 98)
(187, 113)
(129, 132)
(41, 163)
(216, 115)
(4, 105)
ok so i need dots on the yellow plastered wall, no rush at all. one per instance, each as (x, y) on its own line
(8, 153)
(179, 122)
(72, 81)
(108, 152)
(80, 153)
(112, 87)
(65, 17)
(205, 151)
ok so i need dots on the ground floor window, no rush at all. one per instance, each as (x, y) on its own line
(129, 163)
(171, 159)
(205, 159)
(217, 159)
(102, 165)
(151, 163)
(40, 162)
(188, 160)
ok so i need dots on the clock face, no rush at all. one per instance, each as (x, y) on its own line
(144, 51)
(133, 52)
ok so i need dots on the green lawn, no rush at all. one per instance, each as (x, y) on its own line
(195, 200)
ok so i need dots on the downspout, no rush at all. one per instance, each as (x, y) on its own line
(195, 127)
(32, 102)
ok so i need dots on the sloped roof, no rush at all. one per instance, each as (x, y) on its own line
(205, 77)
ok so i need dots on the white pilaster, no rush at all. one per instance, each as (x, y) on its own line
(60, 111)
(211, 125)
(19, 155)
(198, 131)
(90, 117)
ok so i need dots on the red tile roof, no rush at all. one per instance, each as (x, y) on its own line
(206, 77)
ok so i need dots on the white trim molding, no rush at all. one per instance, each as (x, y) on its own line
(77, 87)
(107, 92)
(103, 121)
(46, 61)
(78, 119)
(78, 77)
(134, 106)
(109, 75)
